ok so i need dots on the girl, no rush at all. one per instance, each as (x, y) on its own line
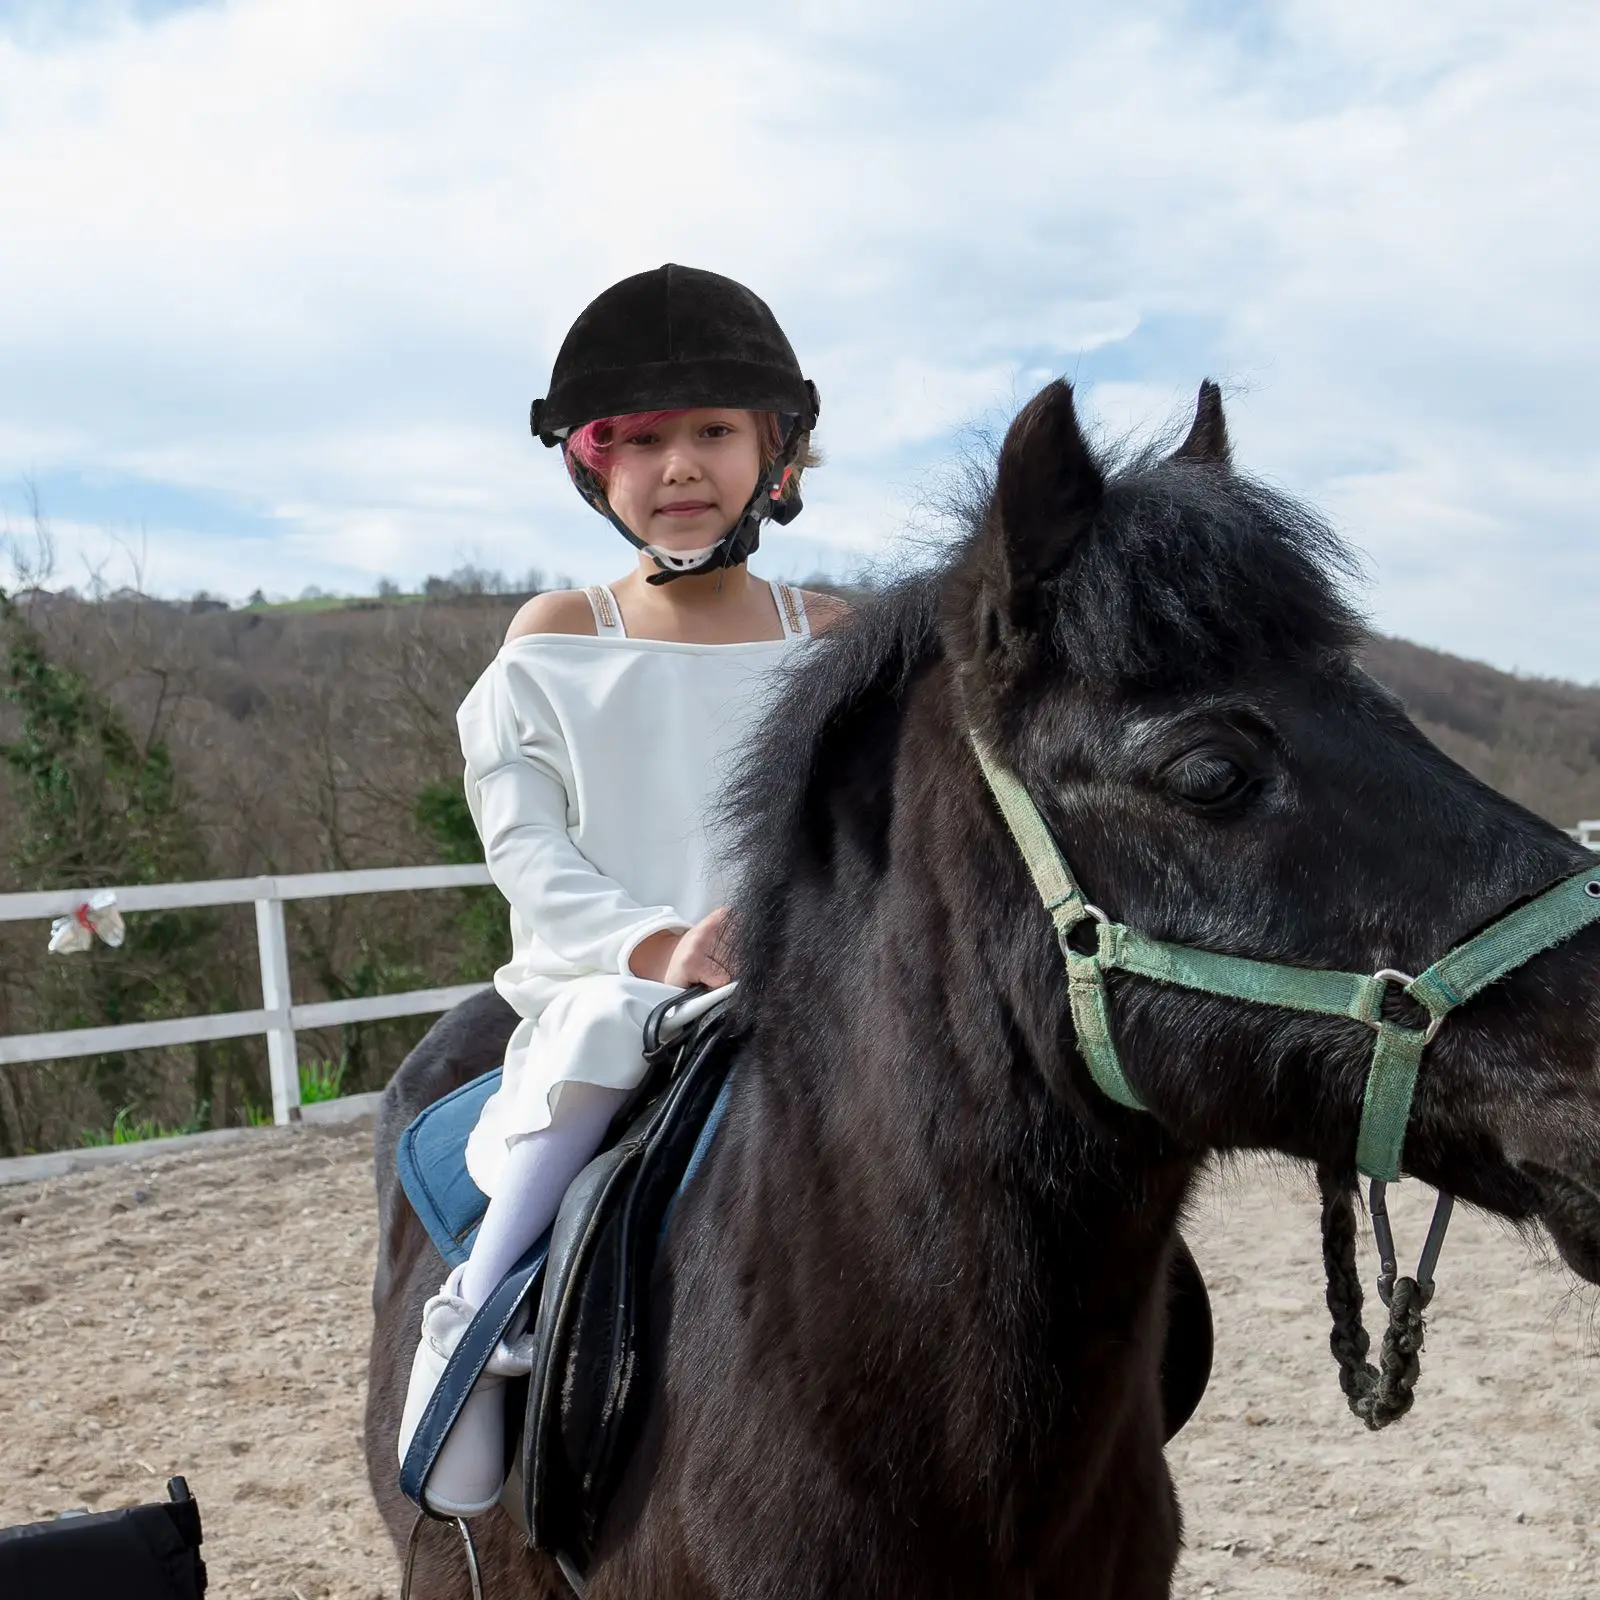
(595, 743)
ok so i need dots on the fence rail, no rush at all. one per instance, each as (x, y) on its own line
(279, 1018)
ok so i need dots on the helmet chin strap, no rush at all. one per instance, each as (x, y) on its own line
(680, 560)
(736, 545)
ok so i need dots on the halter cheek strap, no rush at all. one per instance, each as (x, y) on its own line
(1547, 920)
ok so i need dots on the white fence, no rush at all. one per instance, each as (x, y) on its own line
(279, 1017)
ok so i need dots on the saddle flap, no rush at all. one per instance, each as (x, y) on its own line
(587, 1391)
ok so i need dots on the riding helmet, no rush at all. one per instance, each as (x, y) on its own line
(679, 338)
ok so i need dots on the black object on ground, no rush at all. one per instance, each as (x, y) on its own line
(149, 1552)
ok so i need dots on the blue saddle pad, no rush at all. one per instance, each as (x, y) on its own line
(431, 1158)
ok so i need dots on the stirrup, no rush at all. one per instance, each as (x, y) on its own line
(411, 1554)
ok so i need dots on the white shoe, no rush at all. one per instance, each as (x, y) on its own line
(470, 1470)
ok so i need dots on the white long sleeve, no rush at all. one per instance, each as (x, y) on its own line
(519, 783)
(585, 917)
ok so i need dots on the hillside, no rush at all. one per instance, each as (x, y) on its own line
(1533, 739)
(313, 739)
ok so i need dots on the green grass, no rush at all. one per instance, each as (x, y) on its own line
(339, 602)
(128, 1129)
(319, 1080)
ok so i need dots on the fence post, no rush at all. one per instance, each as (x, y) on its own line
(283, 1059)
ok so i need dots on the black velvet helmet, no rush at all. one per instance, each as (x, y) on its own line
(678, 339)
(670, 340)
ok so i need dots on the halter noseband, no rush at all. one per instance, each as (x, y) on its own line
(1456, 977)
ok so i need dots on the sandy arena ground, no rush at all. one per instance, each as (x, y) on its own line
(207, 1313)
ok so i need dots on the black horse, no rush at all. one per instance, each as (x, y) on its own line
(911, 1338)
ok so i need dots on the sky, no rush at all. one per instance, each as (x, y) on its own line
(279, 278)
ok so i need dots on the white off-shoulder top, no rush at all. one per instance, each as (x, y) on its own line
(593, 766)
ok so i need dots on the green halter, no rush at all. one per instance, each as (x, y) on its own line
(1553, 916)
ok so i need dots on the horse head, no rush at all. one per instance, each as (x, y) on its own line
(1164, 657)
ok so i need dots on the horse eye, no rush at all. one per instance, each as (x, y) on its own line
(1207, 780)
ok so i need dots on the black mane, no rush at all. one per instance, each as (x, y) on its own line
(1190, 571)
(778, 800)
(1187, 567)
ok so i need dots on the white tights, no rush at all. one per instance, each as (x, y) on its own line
(538, 1169)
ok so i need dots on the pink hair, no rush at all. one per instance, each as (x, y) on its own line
(590, 445)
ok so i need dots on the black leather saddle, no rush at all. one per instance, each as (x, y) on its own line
(1186, 1357)
(589, 1387)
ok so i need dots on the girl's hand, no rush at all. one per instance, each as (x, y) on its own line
(682, 959)
(698, 956)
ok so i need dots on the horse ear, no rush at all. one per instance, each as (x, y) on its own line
(1208, 436)
(1047, 490)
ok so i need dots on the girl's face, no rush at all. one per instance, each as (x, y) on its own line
(681, 484)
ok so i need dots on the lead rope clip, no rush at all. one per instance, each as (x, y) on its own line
(1388, 1272)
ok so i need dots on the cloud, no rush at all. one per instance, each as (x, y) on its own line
(311, 262)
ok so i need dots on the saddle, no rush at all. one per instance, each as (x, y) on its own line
(589, 1279)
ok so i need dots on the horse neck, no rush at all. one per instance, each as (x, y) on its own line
(956, 1230)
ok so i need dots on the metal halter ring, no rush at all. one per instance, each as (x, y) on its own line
(1095, 912)
(1404, 980)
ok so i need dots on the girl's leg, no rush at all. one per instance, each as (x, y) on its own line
(538, 1169)
(470, 1468)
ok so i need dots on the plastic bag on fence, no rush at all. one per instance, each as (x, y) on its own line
(96, 917)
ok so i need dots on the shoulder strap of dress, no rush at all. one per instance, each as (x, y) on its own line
(607, 613)
(792, 611)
